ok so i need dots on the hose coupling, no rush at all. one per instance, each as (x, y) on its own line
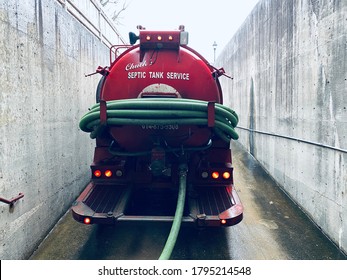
(183, 169)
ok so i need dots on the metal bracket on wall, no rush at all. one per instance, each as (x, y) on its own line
(12, 200)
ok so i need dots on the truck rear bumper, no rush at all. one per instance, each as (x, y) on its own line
(109, 204)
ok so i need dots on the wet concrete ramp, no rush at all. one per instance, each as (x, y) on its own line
(273, 228)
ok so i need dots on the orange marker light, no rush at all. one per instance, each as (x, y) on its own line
(108, 173)
(148, 38)
(97, 173)
(215, 175)
(159, 38)
(226, 175)
(170, 38)
(223, 222)
(87, 221)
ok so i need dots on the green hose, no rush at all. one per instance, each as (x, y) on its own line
(162, 111)
(176, 225)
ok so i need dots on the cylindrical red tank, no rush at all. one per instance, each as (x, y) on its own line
(173, 70)
(160, 66)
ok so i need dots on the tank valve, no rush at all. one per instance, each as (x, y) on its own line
(157, 166)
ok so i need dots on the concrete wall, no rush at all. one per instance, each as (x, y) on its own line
(289, 63)
(44, 54)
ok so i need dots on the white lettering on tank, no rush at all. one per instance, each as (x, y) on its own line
(136, 75)
(177, 76)
(132, 66)
(156, 75)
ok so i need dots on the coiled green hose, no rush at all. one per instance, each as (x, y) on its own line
(162, 111)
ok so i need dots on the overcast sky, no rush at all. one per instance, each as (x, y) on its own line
(207, 21)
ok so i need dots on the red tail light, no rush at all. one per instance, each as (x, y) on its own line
(215, 175)
(119, 173)
(97, 173)
(108, 173)
(87, 220)
(204, 174)
(226, 175)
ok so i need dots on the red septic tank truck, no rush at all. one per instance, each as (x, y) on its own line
(162, 137)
